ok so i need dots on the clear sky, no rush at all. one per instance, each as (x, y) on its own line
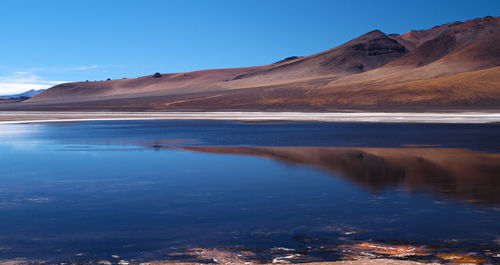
(44, 42)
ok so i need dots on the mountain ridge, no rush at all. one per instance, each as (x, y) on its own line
(417, 69)
(28, 94)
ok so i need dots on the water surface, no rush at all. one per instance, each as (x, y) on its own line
(144, 190)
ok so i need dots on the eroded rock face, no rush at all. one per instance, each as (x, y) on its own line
(381, 46)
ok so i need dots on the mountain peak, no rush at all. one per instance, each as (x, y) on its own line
(375, 32)
(454, 64)
(27, 94)
(370, 35)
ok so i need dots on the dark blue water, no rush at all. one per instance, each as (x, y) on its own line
(115, 188)
(481, 137)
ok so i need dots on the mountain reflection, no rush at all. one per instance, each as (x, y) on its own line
(453, 173)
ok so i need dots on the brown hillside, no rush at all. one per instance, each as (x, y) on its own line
(451, 66)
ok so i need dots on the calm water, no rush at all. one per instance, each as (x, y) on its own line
(86, 191)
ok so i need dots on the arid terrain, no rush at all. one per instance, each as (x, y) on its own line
(451, 66)
(250, 132)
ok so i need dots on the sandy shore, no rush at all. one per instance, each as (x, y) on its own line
(399, 117)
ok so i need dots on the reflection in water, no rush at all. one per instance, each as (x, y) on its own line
(456, 173)
(177, 190)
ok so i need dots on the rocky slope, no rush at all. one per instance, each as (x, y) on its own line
(455, 65)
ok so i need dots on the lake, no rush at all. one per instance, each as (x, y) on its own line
(167, 190)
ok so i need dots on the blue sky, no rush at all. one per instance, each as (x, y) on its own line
(47, 42)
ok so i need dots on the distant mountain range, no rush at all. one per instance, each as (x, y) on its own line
(452, 66)
(28, 94)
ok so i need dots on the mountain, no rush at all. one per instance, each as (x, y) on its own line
(452, 66)
(27, 94)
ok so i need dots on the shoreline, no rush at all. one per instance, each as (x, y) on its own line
(238, 262)
(12, 117)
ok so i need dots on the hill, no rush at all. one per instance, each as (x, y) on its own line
(456, 65)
